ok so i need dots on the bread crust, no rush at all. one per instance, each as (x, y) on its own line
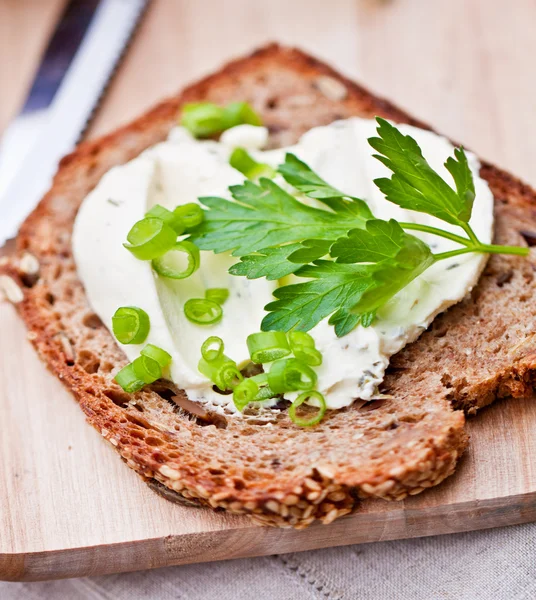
(263, 465)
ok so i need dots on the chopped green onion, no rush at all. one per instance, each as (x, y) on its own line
(162, 357)
(128, 379)
(303, 348)
(218, 295)
(209, 353)
(242, 161)
(219, 370)
(244, 393)
(291, 374)
(265, 393)
(307, 355)
(316, 418)
(267, 346)
(130, 325)
(150, 238)
(169, 218)
(202, 311)
(191, 215)
(230, 376)
(147, 369)
(204, 119)
(240, 113)
(300, 338)
(170, 266)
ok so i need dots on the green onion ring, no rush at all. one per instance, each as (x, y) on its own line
(203, 119)
(166, 266)
(169, 218)
(212, 354)
(218, 295)
(214, 369)
(191, 215)
(150, 238)
(316, 418)
(202, 312)
(239, 113)
(146, 369)
(230, 376)
(300, 338)
(309, 356)
(267, 346)
(162, 357)
(130, 325)
(244, 393)
(289, 375)
(128, 380)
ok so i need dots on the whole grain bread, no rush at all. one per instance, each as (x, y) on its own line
(263, 465)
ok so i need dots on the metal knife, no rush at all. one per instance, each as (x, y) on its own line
(76, 68)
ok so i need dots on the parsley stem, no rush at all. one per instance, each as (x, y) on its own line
(469, 231)
(483, 249)
(436, 231)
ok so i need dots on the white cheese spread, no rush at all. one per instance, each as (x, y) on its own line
(182, 169)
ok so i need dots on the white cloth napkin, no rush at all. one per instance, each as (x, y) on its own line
(498, 564)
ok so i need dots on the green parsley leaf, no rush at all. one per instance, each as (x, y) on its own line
(278, 261)
(265, 215)
(332, 286)
(415, 185)
(351, 293)
(379, 242)
(309, 251)
(304, 179)
(344, 321)
(271, 263)
(458, 167)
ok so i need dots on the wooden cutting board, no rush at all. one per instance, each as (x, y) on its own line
(68, 505)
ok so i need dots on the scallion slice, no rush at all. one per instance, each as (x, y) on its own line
(230, 376)
(212, 348)
(130, 325)
(303, 348)
(300, 338)
(290, 374)
(202, 311)
(150, 238)
(191, 215)
(240, 113)
(170, 265)
(219, 371)
(244, 393)
(218, 295)
(307, 355)
(242, 161)
(162, 357)
(147, 369)
(170, 218)
(204, 119)
(267, 346)
(316, 417)
(128, 379)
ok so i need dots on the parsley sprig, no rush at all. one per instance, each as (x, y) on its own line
(352, 262)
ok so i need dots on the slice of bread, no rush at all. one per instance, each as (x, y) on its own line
(264, 465)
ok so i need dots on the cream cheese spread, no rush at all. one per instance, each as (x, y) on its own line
(182, 169)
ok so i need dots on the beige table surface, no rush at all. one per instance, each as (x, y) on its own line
(466, 67)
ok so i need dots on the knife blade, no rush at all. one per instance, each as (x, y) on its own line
(62, 99)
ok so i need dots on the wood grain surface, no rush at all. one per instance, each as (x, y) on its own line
(68, 506)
